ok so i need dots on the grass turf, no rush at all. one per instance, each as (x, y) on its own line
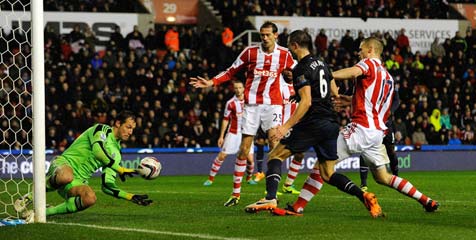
(184, 209)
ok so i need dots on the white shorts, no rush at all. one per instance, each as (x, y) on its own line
(368, 142)
(264, 115)
(232, 142)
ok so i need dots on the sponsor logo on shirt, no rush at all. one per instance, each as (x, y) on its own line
(265, 73)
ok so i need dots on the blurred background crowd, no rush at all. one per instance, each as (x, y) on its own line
(149, 74)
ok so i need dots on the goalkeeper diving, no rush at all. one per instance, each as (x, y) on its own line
(98, 146)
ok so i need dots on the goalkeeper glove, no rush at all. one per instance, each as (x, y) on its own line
(123, 172)
(295, 98)
(141, 200)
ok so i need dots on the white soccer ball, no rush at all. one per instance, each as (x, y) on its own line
(149, 168)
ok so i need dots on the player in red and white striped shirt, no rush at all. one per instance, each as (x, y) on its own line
(231, 124)
(370, 108)
(371, 102)
(289, 106)
(263, 64)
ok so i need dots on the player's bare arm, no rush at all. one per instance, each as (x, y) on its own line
(347, 73)
(224, 125)
(334, 89)
(200, 82)
(342, 101)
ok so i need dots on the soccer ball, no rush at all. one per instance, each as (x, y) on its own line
(149, 168)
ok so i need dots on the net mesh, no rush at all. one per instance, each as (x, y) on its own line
(15, 104)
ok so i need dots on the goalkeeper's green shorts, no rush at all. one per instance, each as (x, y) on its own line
(63, 191)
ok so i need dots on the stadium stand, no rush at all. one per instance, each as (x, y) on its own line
(79, 6)
(139, 72)
(235, 12)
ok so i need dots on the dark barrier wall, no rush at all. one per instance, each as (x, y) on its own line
(199, 163)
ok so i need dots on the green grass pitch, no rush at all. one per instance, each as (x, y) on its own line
(184, 209)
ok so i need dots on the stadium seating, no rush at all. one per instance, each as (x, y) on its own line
(149, 78)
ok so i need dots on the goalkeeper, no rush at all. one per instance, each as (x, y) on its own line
(98, 146)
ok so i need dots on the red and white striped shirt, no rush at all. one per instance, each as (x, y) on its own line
(373, 95)
(288, 106)
(233, 113)
(263, 72)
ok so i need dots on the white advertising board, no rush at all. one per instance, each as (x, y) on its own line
(421, 32)
(102, 24)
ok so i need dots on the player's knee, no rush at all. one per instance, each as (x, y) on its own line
(279, 152)
(272, 155)
(244, 151)
(88, 199)
(273, 143)
(242, 154)
(63, 179)
(221, 156)
(64, 176)
(325, 177)
(380, 181)
(326, 173)
(382, 177)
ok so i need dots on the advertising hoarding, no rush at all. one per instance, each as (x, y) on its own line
(420, 32)
(199, 163)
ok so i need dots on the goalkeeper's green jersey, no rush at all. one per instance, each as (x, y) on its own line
(94, 148)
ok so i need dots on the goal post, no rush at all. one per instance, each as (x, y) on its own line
(38, 92)
(22, 107)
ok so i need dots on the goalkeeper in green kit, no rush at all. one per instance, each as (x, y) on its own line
(98, 146)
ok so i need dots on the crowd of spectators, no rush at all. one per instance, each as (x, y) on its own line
(136, 72)
(234, 12)
(78, 5)
(149, 75)
(436, 88)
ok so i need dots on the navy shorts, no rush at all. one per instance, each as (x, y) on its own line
(317, 133)
(389, 139)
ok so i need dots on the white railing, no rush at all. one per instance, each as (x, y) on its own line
(249, 35)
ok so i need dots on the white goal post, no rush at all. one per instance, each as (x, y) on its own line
(38, 82)
(22, 106)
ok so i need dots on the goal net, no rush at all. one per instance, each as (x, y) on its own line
(19, 84)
